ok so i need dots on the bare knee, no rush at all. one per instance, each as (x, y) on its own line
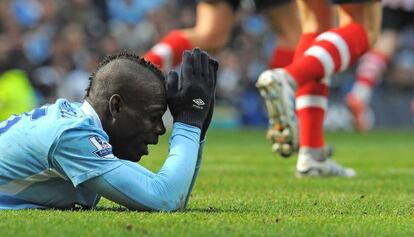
(213, 26)
(284, 21)
(368, 15)
(315, 17)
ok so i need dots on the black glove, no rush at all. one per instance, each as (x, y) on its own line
(213, 66)
(189, 96)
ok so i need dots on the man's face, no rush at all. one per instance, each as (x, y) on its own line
(138, 125)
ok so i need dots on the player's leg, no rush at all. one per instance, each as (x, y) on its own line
(332, 51)
(364, 13)
(311, 99)
(371, 66)
(214, 21)
(282, 16)
(314, 17)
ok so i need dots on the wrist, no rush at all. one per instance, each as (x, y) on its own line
(189, 120)
(180, 126)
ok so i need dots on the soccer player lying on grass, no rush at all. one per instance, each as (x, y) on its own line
(67, 153)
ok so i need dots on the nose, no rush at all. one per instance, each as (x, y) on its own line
(160, 128)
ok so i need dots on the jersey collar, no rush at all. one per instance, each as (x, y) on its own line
(88, 110)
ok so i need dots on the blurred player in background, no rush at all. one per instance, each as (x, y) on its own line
(303, 85)
(16, 93)
(397, 14)
(214, 22)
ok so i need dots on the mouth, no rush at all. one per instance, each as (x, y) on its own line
(145, 146)
(145, 149)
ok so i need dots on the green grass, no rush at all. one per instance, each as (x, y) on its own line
(245, 190)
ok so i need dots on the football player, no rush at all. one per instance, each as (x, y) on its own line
(396, 16)
(67, 154)
(303, 85)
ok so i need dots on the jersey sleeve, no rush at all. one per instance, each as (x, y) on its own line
(137, 188)
(81, 155)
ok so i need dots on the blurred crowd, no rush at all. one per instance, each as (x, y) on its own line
(56, 44)
(59, 43)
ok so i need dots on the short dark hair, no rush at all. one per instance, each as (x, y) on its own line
(129, 56)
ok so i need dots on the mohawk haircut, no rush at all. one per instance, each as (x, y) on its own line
(131, 57)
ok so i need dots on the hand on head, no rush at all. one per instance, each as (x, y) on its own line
(190, 96)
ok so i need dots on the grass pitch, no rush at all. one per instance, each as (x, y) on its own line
(245, 190)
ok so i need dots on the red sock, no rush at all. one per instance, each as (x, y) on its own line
(304, 43)
(368, 73)
(281, 57)
(167, 53)
(311, 104)
(331, 52)
(310, 118)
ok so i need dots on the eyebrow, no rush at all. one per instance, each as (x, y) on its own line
(156, 108)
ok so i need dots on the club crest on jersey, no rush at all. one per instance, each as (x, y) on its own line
(104, 149)
(66, 110)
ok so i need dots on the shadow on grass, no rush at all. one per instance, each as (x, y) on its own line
(221, 210)
(85, 209)
(190, 210)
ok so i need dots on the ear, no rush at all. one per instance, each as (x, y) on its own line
(116, 105)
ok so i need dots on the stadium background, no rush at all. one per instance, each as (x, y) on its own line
(57, 44)
(243, 189)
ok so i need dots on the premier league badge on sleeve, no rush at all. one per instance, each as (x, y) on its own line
(104, 149)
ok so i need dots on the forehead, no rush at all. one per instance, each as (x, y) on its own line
(154, 94)
(153, 99)
(149, 106)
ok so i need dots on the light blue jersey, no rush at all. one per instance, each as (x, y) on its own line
(57, 156)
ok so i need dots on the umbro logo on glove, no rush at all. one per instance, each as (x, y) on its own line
(198, 103)
(189, 95)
